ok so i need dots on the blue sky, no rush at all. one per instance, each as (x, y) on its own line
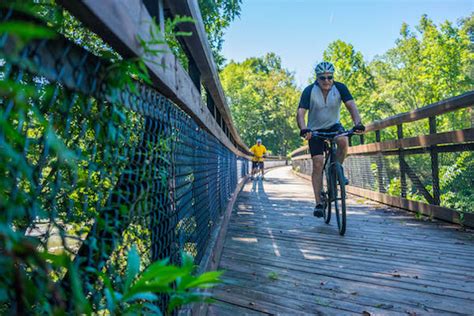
(299, 30)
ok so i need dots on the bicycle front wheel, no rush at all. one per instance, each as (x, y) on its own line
(339, 197)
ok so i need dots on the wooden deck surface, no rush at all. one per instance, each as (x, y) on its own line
(279, 259)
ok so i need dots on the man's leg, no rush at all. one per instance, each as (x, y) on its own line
(317, 177)
(261, 167)
(341, 153)
(342, 146)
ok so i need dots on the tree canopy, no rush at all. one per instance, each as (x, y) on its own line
(262, 97)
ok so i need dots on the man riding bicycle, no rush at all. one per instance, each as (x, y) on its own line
(323, 100)
(259, 152)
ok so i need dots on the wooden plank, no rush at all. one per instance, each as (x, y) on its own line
(424, 141)
(120, 24)
(392, 262)
(449, 105)
(381, 268)
(213, 254)
(439, 212)
(251, 273)
(378, 252)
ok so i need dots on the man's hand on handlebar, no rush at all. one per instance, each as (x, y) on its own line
(359, 128)
(305, 133)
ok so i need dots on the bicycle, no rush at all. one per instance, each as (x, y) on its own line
(334, 190)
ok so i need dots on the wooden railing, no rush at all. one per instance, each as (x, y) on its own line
(122, 23)
(433, 144)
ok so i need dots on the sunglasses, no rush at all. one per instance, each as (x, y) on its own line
(322, 78)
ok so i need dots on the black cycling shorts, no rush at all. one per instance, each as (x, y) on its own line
(257, 164)
(317, 144)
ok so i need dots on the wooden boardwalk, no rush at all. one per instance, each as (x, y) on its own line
(279, 259)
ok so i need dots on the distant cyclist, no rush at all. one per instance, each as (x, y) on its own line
(259, 152)
(323, 100)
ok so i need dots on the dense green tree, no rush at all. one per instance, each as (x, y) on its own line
(262, 97)
(429, 64)
(353, 71)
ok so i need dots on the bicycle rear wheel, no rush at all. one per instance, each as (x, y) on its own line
(339, 192)
(327, 195)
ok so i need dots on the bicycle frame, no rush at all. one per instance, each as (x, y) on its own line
(330, 153)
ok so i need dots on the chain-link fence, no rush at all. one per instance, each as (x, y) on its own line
(90, 166)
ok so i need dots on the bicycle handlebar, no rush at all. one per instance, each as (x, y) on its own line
(329, 135)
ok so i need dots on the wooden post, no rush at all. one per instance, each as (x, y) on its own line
(434, 163)
(156, 9)
(362, 139)
(161, 16)
(401, 157)
(210, 103)
(471, 109)
(377, 136)
(379, 162)
(194, 73)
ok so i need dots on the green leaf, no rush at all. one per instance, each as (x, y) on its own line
(153, 308)
(133, 266)
(187, 261)
(81, 304)
(187, 298)
(142, 296)
(27, 30)
(208, 278)
(58, 261)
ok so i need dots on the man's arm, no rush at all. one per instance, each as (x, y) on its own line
(359, 128)
(300, 119)
(352, 108)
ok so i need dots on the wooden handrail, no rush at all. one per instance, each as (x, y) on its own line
(198, 46)
(423, 141)
(441, 107)
(296, 151)
(121, 24)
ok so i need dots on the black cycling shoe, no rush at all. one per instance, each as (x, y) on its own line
(319, 210)
(346, 181)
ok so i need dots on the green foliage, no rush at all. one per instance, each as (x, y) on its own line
(262, 97)
(457, 183)
(273, 276)
(141, 289)
(352, 70)
(136, 293)
(62, 155)
(217, 16)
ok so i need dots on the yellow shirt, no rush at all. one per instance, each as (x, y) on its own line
(258, 152)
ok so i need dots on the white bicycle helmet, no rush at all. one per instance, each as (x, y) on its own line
(323, 67)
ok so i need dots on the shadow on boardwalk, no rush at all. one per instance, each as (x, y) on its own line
(279, 259)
